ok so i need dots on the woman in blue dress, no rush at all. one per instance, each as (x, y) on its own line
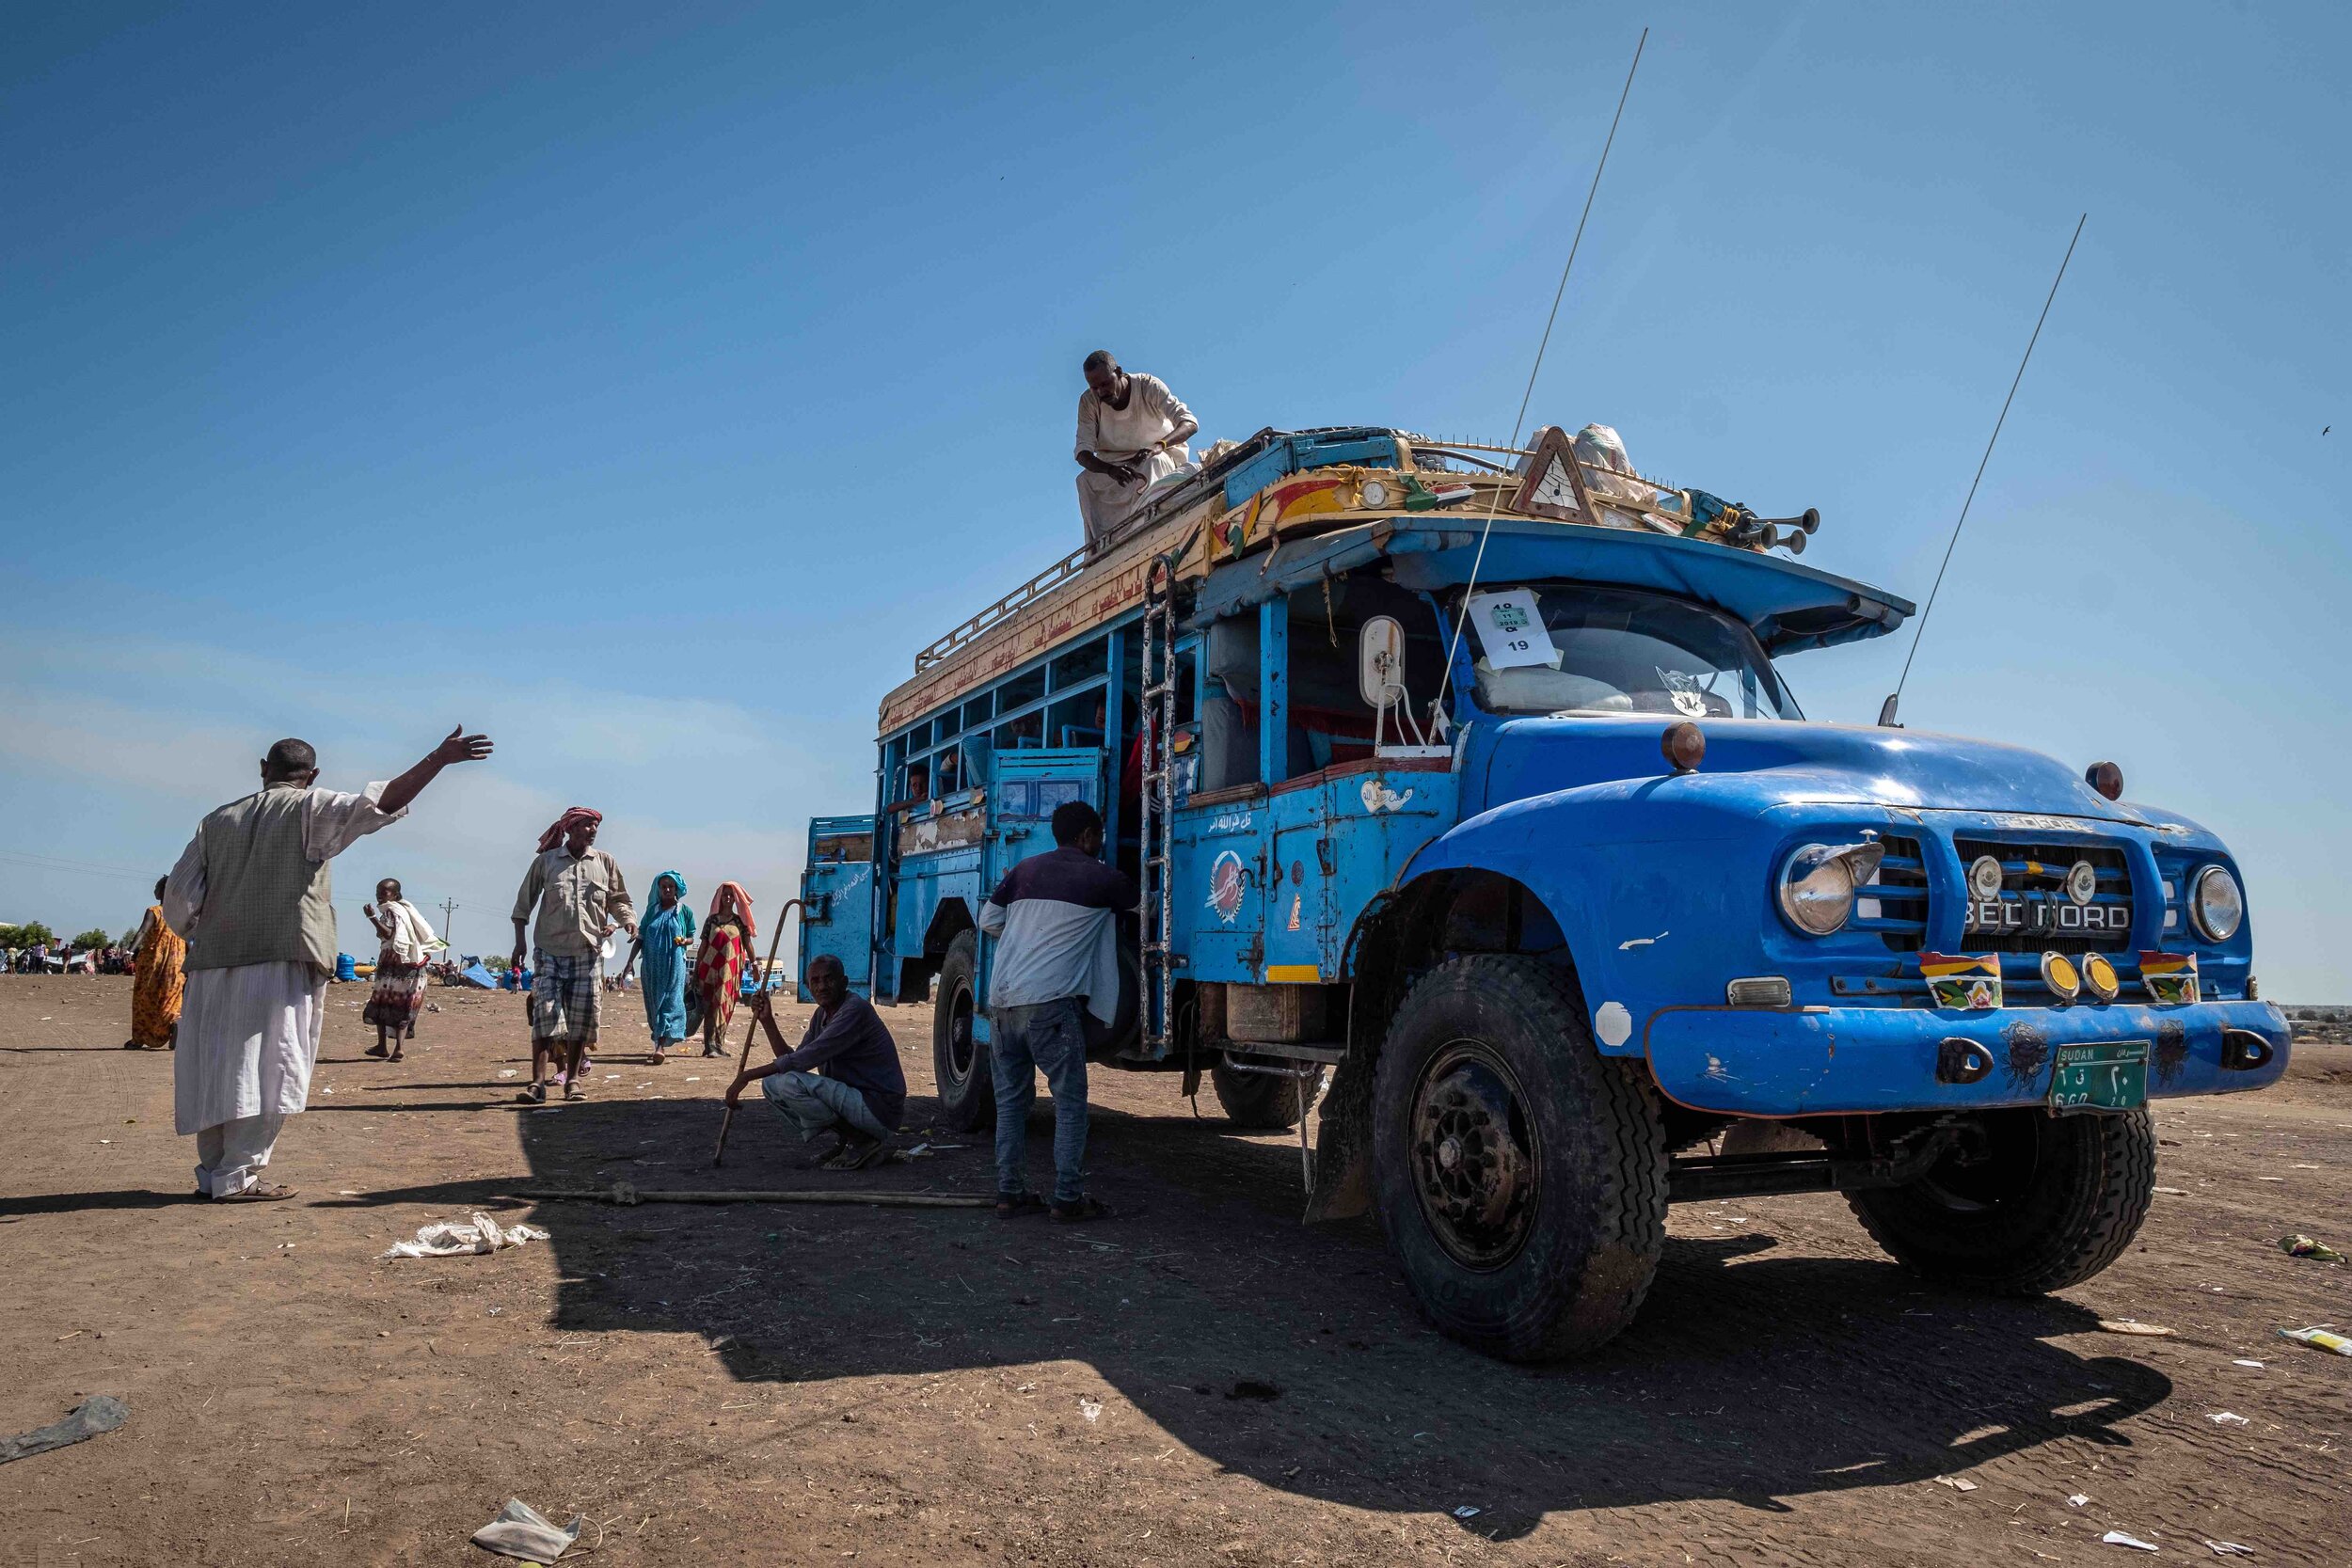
(661, 940)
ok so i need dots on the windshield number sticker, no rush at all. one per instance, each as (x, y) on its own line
(1511, 631)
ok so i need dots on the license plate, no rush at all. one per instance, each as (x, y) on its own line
(2110, 1076)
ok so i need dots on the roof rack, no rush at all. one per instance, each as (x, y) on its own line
(1194, 488)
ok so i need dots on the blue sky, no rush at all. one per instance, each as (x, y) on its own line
(644, 385)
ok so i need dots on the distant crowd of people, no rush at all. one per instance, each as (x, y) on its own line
(63, 958)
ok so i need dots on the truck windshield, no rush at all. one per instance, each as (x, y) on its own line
(1616, 650)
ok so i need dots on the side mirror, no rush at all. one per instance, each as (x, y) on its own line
(1380, 660)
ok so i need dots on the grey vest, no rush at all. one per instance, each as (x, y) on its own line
(265, 901)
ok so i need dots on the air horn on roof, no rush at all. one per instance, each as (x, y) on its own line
(1767, 534)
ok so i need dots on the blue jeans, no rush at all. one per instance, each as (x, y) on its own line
(1024, 1041)
(812, 1104)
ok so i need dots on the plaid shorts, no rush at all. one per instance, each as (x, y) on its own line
(564, 999)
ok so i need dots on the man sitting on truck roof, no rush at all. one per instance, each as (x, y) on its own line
(1132, 430)
(1056, 921)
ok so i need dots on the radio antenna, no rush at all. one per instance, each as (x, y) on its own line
(1918, 629)
(1444, 676)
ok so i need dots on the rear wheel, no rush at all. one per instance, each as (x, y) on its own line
(2044, 1202)
(1522, 1175)
(1261, 1100)
(967, 1089)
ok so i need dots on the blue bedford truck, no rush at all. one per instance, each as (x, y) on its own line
(1460, 784)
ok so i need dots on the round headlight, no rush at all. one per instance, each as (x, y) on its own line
(2082, 882)
(1984, 877)
(1817, 890)
(2216, 905)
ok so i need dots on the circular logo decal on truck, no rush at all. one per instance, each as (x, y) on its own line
(1225, 886)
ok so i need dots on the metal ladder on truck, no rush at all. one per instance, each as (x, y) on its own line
(1156, 830)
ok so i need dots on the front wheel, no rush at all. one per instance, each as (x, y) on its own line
(967, 1089)
(2044, 1202)
(1522, 1175)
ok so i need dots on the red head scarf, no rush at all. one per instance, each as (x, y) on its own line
(732, 893)
(564, 824)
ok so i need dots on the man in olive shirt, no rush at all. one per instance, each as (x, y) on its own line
(581, 898)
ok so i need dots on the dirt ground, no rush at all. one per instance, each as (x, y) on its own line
(781, 1384)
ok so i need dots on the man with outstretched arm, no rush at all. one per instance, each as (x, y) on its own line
(581, 896)
(1056, 921)
(845, 1077)
(253, 896)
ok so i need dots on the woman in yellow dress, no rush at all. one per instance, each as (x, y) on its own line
(155, 994)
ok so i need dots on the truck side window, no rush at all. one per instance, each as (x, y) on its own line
(1329, 721)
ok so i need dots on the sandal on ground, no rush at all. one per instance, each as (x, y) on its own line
(858, 1153)
(378, 1049)
(1085, 1209)
(573, 1091)
(261, 1191)
(535, 1095)
(395, 1056)
(1013, 1205)
(132, 1045)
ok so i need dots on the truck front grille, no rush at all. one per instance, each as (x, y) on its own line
(1896, 904)
(2033, 913)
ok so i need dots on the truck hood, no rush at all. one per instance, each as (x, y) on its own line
(1786, 762)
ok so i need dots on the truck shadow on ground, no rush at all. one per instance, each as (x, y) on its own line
(1294, 1356)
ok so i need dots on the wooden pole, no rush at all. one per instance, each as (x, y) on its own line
(750, 1031)
(623, 1194)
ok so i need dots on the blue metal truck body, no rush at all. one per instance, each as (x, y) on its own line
(1319, 874)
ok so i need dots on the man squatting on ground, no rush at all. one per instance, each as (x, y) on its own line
(1055, 920)
(844, 1077)
(581, 896)
(253, 896)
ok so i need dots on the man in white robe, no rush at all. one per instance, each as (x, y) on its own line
(252, 896)
(1132, 431)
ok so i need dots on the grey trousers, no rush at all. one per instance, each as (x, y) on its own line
(812, 1104)
(231, 1157)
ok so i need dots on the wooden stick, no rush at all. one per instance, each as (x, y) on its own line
(751, 1030)
(623, 1194)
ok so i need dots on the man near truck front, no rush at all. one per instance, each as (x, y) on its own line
(1056, 921)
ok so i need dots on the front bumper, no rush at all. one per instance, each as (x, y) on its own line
(1820, 1061)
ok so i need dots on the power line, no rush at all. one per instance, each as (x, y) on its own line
(1919, 628)
(1479, 559)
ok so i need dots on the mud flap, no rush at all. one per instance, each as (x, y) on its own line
(1344, 1145)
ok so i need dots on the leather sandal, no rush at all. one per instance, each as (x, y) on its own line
(261, 1191)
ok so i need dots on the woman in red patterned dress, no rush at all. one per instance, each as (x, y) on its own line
(727, 948)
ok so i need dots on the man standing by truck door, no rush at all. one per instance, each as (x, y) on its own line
(1056, 921)
(1132, 430)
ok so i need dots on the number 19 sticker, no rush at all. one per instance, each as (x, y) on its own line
(1511, 630)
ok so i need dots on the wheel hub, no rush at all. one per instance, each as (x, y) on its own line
(962, 1052)
(1474, 1156)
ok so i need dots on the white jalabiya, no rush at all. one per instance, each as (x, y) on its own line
(249, 1035)
(1127, 435)
(413, 941)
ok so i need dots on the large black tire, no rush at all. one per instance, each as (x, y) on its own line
(1263, 1101)
(1522, 1175)
(960, 1064)
(2057, 1199)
